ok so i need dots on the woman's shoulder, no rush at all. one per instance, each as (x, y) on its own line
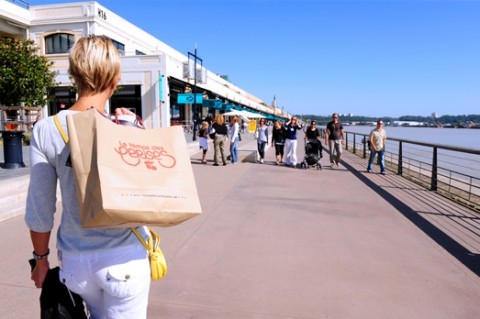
(48, 123)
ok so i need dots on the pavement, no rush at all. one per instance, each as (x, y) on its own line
(277, 242)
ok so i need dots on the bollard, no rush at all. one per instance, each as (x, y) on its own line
(12, 149)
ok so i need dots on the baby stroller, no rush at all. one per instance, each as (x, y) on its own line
(313, 154)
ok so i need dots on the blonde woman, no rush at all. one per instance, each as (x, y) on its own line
(221, 132)
(108, 267)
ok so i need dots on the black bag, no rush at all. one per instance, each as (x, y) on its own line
(56, 300)
(367, 141)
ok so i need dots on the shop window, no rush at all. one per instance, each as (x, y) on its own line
(63, 98)
(128, 96)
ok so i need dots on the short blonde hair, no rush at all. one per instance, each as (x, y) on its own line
(94, 64)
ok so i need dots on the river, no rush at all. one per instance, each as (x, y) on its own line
(458, 137)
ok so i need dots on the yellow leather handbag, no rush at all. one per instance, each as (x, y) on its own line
(158, 264)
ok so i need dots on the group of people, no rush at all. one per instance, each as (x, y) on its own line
(221, 134)
(284, 140)
(285, 137)
(335, 137)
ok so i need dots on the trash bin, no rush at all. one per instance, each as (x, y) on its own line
(12, 149)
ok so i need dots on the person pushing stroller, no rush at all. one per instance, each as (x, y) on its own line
(313, 146)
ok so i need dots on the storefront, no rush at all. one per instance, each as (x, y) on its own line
(63, 98)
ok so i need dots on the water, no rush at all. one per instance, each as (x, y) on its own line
(458, 137)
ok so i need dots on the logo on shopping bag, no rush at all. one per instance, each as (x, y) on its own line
(150, 156)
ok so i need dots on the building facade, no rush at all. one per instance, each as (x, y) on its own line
(155, 76)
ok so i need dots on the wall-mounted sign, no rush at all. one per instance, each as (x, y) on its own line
(102, 14)
(187, 98)
(213, 104)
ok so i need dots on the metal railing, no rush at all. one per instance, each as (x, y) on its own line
(453, 172)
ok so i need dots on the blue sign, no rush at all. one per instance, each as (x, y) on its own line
(187, 98)
(213, 104)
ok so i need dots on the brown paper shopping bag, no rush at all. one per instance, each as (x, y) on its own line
(128, 176)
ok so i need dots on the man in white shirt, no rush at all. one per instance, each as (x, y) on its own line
(377, 139)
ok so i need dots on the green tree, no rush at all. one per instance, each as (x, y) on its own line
(24, 75)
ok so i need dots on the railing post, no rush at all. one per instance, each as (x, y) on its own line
(346, 141)
(354, 143)
(400, 158)
(364, 146)
(434, 170)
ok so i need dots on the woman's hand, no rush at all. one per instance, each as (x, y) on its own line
(123, 111)
(40, 272)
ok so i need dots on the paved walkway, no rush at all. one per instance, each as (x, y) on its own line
(277, 242)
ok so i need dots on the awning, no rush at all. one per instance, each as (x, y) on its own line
(237, 113)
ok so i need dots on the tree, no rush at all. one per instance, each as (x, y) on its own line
(24, 75)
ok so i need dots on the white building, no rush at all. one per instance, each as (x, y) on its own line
(407, 123)
(153, 73)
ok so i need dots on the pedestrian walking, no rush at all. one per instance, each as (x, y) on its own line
(234, 135)
(377, 140)
(203, 140)
(278, 141)
(108, 267)
(262, 139)
(221, 132)
(334, 138)
(292, 127)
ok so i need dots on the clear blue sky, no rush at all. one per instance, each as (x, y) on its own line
(374, 58)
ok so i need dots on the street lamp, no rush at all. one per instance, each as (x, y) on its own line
(194, 106)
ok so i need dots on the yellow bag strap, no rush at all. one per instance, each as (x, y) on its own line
(155, 240)
(60, 128)
(153, 243)
(140, 238)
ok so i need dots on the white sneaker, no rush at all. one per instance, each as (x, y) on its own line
(261, 160)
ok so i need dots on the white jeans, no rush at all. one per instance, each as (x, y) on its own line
(291, 152)
(113, 283)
